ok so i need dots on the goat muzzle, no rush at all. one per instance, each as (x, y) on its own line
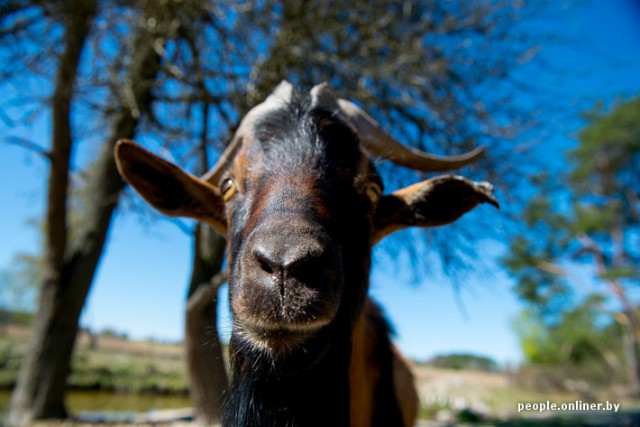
(288, 282)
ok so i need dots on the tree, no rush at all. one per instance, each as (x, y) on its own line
(460, 361)
(583, 341)
(135, 49)
(203, 349)
(593, 223)
(205, 363)
(19, 284)
(140, 53)
(36, 388)
(71, 258)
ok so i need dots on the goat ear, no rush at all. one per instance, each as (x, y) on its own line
(431, 203)
(168, 188)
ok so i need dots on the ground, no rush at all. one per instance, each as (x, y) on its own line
(449, 397)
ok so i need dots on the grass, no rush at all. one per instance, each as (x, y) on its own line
(11, 351)
(122, 372)
(115, 364)
(491, 399)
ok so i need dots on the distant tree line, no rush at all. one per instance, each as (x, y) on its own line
(464, 361)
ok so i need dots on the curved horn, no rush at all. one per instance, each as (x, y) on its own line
(213, 175)
(281, 95)
(381, 144)
(322, 97)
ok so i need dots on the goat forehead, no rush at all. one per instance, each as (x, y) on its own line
(293, 138)
(306, 196)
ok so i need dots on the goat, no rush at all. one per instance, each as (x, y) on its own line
(298, 197)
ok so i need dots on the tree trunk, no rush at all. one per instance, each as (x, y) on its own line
(205, 363)
(630, 345)
(40, 383)
(630, 349)
(39, 392)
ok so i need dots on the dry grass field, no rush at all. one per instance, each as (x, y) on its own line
(449, 397)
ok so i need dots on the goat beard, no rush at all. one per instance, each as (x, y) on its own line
(303, 387)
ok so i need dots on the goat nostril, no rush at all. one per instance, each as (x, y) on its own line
(305, 270)
(300, 262)
(266, 264)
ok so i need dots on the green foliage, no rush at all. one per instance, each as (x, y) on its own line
(584, 339)
(534, 338)
(587, 215)
(464, 361)
(592, 219)
(112, 333)
(19, 283)
(540, 282)
(607, 159)
(20, 318)
(10, 356)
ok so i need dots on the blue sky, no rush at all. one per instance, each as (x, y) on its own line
(141, 282)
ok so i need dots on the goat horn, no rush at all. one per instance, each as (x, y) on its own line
(281, 95)
(381, 144)
(322, 97)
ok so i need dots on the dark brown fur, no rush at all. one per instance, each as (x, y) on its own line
(380, 379)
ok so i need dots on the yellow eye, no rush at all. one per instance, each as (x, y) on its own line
(228, 189)
(373, 192)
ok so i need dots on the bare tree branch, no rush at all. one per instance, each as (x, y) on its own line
(28, 145)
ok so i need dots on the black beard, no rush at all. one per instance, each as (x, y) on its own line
(306, 387)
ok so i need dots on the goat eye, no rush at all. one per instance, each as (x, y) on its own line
(228, 189)
(373, 192)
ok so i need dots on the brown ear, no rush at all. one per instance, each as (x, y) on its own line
(431, 203)
(168, 188)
